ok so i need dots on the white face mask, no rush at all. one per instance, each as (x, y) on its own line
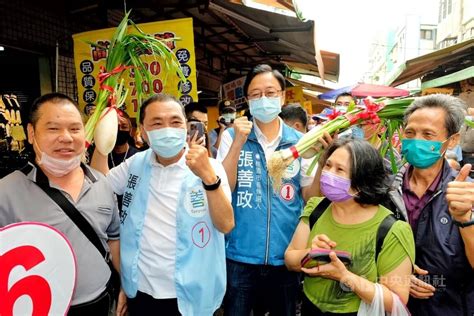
(57, 167)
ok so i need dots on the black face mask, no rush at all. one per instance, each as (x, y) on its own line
(122, 137)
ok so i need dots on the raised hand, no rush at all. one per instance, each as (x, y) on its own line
(242, 127)
(197, 159)
(460, 196)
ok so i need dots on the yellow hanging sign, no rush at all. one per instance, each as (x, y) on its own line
(89, 58)
(294, 95)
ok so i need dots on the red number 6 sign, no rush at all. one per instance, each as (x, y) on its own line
(37, 270)
(36, 287)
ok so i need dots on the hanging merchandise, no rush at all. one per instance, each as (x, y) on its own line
(13, 155)
(4, 120)
(11, 128)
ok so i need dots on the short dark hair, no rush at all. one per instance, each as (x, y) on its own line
(260, 69)
(344, 94)
(294, 112)
(194, 106)
(454, 108)
(159, 97)
(368, 174)
(54, 97)
(125, 115)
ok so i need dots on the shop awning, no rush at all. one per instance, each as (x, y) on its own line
(331, 66)
(458, 56)
(230, 36)
(309, 86)
(284, 7)
(282, 36)
(313, 97)
(454, 77)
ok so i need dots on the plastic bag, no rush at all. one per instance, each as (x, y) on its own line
(398, 308)
(376, 308)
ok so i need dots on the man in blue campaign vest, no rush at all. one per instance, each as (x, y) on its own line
(438, 203)
(265, 219)
(176, 207)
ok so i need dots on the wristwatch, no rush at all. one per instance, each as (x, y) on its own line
(212, 187)
(465, 224)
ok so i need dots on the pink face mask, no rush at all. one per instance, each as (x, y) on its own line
(57, 167)
(334, 187)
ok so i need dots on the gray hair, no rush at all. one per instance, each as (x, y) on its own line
(454, 108)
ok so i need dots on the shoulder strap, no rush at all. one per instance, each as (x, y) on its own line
(71, 211)
(382, 232)
(318, 211)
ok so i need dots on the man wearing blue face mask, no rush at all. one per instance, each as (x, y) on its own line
(176, 207)
(265, 218)
(435, 201)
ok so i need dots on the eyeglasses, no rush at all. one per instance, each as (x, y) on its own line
(268, 93)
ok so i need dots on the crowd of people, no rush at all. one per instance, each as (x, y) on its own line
(200, 227)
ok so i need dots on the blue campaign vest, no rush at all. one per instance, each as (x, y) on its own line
(265, 220)
(200, 275)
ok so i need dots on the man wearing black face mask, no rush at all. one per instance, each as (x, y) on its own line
(122, 149)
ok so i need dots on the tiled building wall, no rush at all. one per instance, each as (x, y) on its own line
(36, 26)
(67, 77)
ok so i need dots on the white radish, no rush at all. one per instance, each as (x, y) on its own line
(105, 133)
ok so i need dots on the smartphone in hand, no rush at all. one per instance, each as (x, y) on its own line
(226, 120)
(317, 257)
(196, 127)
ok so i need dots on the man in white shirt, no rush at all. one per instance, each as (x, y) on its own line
(176, 207)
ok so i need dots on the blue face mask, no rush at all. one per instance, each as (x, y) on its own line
(167, 142)
(421, 153)
(265, 109)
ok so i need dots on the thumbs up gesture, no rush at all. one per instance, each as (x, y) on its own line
(460, 196)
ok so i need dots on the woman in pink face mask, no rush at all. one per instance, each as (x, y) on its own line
(352, 180)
